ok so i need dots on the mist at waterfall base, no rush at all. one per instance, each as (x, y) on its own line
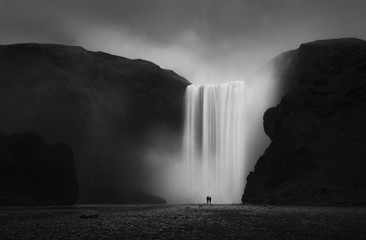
(214, 137)
(222, 139)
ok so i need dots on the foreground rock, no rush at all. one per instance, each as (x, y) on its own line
(317, 153)
(185, 222)
(33, 172)
(104, 106)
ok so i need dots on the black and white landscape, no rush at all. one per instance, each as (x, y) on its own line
(182, 119)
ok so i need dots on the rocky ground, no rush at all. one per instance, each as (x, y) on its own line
(183, 222)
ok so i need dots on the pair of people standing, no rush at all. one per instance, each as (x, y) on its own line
(208, 200)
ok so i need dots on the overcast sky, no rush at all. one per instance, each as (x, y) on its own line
(206, 41)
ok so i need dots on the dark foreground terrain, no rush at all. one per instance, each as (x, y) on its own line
(183, 222)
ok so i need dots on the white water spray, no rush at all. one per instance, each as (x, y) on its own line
(214, 141)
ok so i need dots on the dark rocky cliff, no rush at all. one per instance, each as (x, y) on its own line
(102, 105)
(317, 153)
(33, 172)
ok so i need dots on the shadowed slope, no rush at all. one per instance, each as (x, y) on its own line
(102, 105)
(33, 172)
(317, 153)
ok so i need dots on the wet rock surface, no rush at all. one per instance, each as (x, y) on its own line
(184, 222)
(317, 153)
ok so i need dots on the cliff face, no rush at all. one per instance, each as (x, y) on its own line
(317, 153)
(33, 172)
(100, 104)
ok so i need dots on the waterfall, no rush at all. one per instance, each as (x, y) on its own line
(214, 137)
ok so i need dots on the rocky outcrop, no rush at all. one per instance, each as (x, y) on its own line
(102, 105)
(33, 172)
(317, 153)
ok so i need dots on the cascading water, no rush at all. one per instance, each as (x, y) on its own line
(214, 137)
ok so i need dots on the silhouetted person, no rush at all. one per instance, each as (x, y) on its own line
(207, 199)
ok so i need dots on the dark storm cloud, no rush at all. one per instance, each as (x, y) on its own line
(207, 34)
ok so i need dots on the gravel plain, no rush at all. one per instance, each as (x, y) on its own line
(183, 222)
